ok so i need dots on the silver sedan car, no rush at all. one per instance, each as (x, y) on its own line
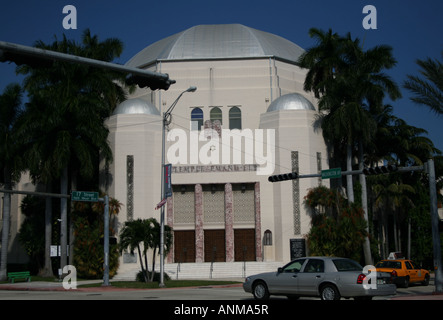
(330, 278)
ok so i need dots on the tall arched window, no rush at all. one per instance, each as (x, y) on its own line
(196, 119)
(267, 238)
(216, 114)
(235, 118)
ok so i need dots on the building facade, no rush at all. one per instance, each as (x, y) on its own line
(249, 118)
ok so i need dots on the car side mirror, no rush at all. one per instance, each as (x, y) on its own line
(280, 270)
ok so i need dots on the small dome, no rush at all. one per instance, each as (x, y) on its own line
(136, 106)
(291, 101)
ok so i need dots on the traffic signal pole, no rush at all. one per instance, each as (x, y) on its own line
(434, 222)
(20, 54)
(429, 168)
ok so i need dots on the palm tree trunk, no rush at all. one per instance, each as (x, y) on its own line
(153, 263)
(364, 200)
(381, 239)
(5, 227)
(409, 239)
(349, 185)
(64, 219)
(386, 231)
(395, 231)
(47, 268)
(141, 263)
(146, 264)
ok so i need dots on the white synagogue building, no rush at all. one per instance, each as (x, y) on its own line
(249, 118)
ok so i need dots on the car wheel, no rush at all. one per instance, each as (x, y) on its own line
(260, 291)
(405, 282)
(426, 281)
(329, 292)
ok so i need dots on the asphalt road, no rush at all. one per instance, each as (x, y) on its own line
(45, 291)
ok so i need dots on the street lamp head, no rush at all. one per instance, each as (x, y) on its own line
(191, 89)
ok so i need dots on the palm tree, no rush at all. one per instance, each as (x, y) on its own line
(391, 195)
(155, 241)
(144, 234)
(68, 105)
(428, 91)
(345, 79)
(404, 145)
(350, 84)
(323, 61)
(10, 159)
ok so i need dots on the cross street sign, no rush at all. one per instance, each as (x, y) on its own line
(84, 196)
(331, 173)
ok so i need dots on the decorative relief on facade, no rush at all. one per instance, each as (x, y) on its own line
(199, 232)
(213, 202)
(244, 204)
(129, 187)
(184, 204)
(258, 239)
(296, 194)
(319, 167)
(229, 223)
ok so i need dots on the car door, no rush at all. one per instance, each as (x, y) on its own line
(311, 275)
(420, 273)
(412, 273)
(286, 279)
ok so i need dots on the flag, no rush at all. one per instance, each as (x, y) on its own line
(160, 204)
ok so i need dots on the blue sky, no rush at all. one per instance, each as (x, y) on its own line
(413, 28)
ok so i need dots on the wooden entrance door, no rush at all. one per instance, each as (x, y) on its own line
(215, 247)
(184, 246)
(244, 244)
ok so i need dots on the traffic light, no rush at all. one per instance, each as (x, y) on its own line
(283, 177)
(150, 82)
(380, 170)
(19, 59)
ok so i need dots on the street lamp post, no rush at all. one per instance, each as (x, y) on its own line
(166, 122)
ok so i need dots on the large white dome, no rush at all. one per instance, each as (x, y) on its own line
(223, 41)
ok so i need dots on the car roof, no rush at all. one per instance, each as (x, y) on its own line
(398, 260)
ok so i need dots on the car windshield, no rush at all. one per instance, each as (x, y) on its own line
(389, 264)
(346, 265)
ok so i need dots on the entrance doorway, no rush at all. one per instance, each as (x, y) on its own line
(184, 246)
(244, 244)
(215, 249)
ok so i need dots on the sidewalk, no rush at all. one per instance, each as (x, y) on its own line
(430, 296)
(58, 286)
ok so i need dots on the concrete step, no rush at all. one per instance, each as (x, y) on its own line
(217, 270)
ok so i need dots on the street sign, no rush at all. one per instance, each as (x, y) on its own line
(331, 173)
(88, 196)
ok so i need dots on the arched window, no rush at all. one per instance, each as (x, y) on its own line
(235, 118)
(216, 114)
(267, 238)
(196, 119)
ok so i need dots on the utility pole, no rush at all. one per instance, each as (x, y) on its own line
(166, 121)
(434, 222)
(106, 241)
